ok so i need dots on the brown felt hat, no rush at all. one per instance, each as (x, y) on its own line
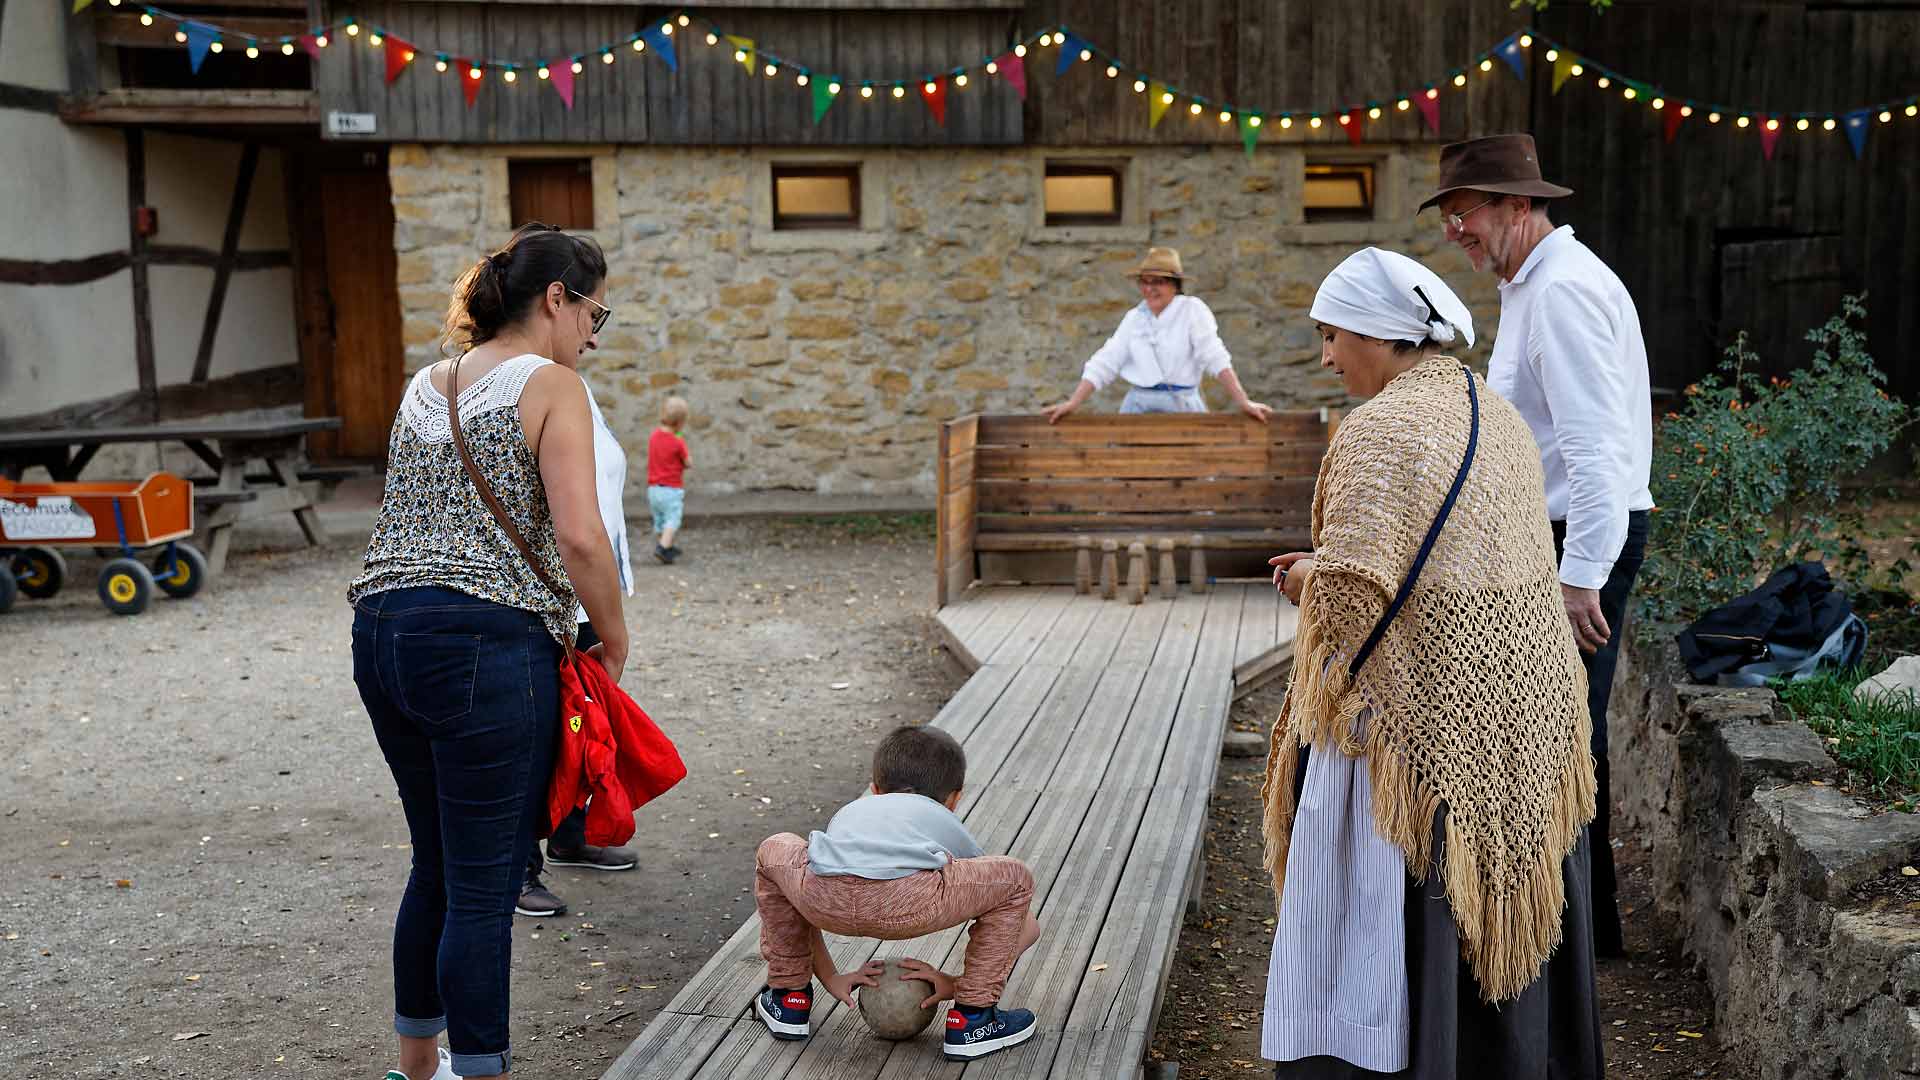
(1160, 262)
(1498, 164)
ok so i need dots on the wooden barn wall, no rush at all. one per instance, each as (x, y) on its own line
(1277, 56)
(1710, 237)
(709, 101)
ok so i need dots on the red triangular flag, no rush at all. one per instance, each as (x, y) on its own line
(934, 91)
(1015, 69)
(311, 44)
(1356, 117)
(399, 55)
(560, 74)
(1673, 123)
(469, 82)
(1429, 108)
(1769, 134)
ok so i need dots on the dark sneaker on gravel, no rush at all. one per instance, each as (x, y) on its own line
(593, 858)
(537, 901)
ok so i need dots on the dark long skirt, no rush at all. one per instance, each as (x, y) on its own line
(1550, 1032)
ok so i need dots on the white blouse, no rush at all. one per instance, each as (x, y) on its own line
(610, 483)
(1175, 347)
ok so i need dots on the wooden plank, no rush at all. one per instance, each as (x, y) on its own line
(1007, 612)
(1032, 629)
(962, 435)
(1123, 462)
(1277, 540)
(942, 524)
(955, 642)
(1258, 622)
(1172, 429)
(1064, 638)
(1144, 496)
(959, 472)
(1171, 521)
(674, 1046)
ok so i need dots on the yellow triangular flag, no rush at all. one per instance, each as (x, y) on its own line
(742, 45)
(1562, 69)
(1158, 101)
(80, 5)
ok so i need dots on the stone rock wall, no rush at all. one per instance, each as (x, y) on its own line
(823, 361)
(1758, 856)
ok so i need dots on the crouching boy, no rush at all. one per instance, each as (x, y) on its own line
(896, 864)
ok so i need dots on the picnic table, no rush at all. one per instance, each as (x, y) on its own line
(228, 447)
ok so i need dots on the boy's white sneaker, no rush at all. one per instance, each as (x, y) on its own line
(444, 1072)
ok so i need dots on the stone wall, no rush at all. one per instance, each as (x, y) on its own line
(1761, 859)
(822, 360)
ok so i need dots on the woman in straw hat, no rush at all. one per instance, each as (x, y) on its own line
(1161, 349)
(1429, 774)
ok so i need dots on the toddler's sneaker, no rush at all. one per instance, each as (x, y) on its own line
(785, 1012)
(975, 1033)
(444, 1072)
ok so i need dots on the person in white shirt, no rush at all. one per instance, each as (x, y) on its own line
(1162, 349)
(1569, 355)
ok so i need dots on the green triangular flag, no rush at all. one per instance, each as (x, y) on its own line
(1157, 103)
(823, 96)
(80, 5)
(1249, 133)
(1562, 69)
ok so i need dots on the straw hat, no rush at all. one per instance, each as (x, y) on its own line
(1160, 262)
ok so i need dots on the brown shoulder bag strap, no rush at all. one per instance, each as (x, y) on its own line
(486, 490)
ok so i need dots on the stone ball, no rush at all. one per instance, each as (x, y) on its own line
(892, 1009)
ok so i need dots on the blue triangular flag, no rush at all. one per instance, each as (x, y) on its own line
(199, 37)
(1857, 132)
(1509, 50)
(1068, 54)
(661, 44)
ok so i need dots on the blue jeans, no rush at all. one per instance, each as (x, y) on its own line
(666, 504)
(464, 696)
(1141, 400)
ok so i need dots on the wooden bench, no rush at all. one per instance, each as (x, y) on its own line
(1022, 500)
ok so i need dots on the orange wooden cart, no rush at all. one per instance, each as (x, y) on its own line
(155, 514)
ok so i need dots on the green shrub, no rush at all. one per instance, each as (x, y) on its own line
(1747, 474)
(1878, 739)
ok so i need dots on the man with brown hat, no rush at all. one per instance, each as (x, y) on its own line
(1569, 355)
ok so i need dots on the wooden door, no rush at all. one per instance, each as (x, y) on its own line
(349, 304)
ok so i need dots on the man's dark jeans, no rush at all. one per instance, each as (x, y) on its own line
(464, 697)
(1600, 666)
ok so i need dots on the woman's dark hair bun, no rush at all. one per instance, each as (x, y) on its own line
(500, 289)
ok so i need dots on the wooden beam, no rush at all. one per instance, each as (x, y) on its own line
(105, 264)
(126, 31)
(223, 271)
(29, 98)
(194, 107)
(83, 55)
(136, 140)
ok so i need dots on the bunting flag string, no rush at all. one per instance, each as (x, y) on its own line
(202, 38)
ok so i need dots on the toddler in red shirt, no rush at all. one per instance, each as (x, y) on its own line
(667, 463)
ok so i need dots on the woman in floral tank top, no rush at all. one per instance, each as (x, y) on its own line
(456, 641)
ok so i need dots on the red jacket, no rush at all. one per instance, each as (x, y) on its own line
(610, 750)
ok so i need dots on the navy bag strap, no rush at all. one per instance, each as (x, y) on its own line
(1433, 534)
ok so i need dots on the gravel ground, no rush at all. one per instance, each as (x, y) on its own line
(208, 852)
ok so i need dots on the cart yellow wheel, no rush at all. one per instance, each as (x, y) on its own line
(185, 575)
(125, 586)
(40, 571)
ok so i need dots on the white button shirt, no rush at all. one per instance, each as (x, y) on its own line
(610, 483)
(1570, 357)
(1175, 347)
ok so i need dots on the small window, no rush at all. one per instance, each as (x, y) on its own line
(1080, 194)
(558, 193)
(1338, 193)
(816, 196)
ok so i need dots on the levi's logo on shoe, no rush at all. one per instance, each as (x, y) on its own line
(954, 1020)
(797, 1000)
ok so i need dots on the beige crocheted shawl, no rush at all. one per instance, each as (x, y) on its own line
(1476, 694)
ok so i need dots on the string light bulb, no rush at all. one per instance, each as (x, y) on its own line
(1459, 80)
(1166, 99)
(146, 19)
(1286, 122)
(1432, 94)
(866, 91)
(286, 48)
(739, 56)
(713, 38)
(993, 68)
(353, 29)
(1314, 123)
(1403, 105)
(639, 46)
(833, 88)
(253, 52)
(1713, 118)
(180, 36)
(113, 3)
(1373, 113)
(1742, 122)
(1629, 93)
(543, 72)
(578, 67)
(1827, 124)
(960, 80)
(606, 56)
(931, 87)
(1253, 121)
(407, 56)
(322, 41)
(1604, 82)
(1345, 120)
(1112, 72)
(509, 75)
(771, 70)
(899, 91)
(1486, 65)
(683, 21)
(1885, 116)
(1686, 110)
(1577, 70)
(666, 28)
(1801, 124)
(1773, 124)
(1019, 50)
(1659, 103)
(474, 73)
(801, 79)
(1526, 41)
(1139, 86)
(440, 65)
(1913, 110)
(1086, 55)
(1225, 116)
(1552, 55)
(1194, 108)
(216, 47)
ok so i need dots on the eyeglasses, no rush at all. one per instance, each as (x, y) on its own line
(601, 315)
(1458, 221)
(1144, 280)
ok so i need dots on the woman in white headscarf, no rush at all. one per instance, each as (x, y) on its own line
(1429, 775)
